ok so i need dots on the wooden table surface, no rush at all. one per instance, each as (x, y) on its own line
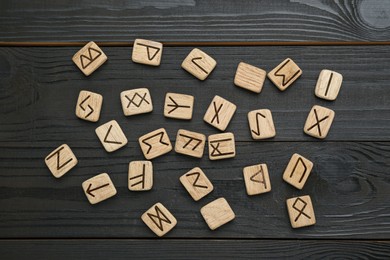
(47, 218)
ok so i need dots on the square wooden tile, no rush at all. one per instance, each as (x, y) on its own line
(111, 136)
(257, 179)
(61, 160)
(147, 52)
(249, 77)
(136, 101)
(196, 183)
(99, 188)
(155, 144)
(285, 74)
(328, 84)
(219, 113)
(319, 121)
(89, 105)
(301, 212)
(221, 146)
(178, 106)
(159, 219)
(89, 58)
(190, 143)
(140, 175)
(297, 171)
(261, 124)
(199, 64)
(217, 213)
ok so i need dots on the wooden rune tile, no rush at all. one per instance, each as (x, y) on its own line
(190, 143)
(99, 188)
(159, 219)
(89, 105)
(261, 124)
(89, 58)
(328, 84)
(147, 52)
(301, 212)
(136, 101)
(219, 113)
(178, 106)
(285, 74)
(319, 121)
(297, 171)
(155, 144)
(249, 77)
(221, 146)
(111, 136)
(257, 179)
(196, 183)
(199, 64)
(140, 175)
(217, 213)
(61, 160)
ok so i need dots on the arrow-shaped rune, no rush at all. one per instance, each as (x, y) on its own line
(195, 184)
(108, 141)
(175, 105)
(257, 132)
(89, 190)
(199, 58)
(161, 134)
(83, 108)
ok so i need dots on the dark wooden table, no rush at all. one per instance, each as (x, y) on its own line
(46, 218)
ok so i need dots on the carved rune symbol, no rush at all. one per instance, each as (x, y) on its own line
(175, 105)
(89, 190)
(142, 99)
(199, 141)
(301, 210)
(110, 141)
(198, 58)
(216, 152)
(93, 54)
(216, 110)
(159, 218)
(148, 47)
(318, 121)
(142, 176)
(195, 183)
(257, 132)
(295, 167)
(83, 108)
(58, 158)
(252, 178)
(329, 82)
(284, 75)
(161, 134)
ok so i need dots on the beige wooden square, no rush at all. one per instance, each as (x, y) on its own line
(111, 136)
(99, 188)
(257, 179)
(155, 144)
(249, 77)
(89, 58)
(147, 52)
(285, 74)
(219, 113)
(61, 160)
(328, 84)
(297, 171)
(221, 146)
(89, 105)
(199, 64)
(196, 183)
(301, 212)
(319, 121)
(190, 143)
(217, 213)
(136, 101)
(261, 124)
(159, 219)
(140, 175)
(178, 106)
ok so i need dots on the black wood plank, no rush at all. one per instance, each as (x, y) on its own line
(189, 20)
(193, 249)
(349, 187)
(39, 88)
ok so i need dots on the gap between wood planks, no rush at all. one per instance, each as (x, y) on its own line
(183, 44)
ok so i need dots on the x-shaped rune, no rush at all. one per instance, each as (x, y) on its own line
(131, 101)
(317, 122)
(216, 116)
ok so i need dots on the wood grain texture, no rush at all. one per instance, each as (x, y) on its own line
(192, 20)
